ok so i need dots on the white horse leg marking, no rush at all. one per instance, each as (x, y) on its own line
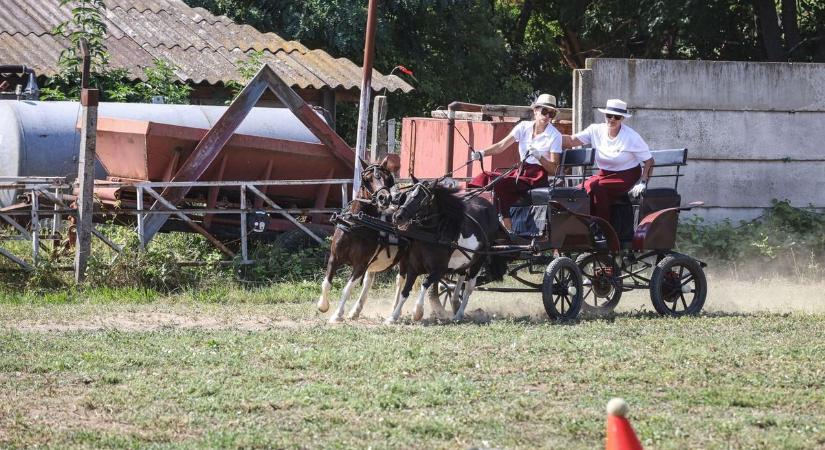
(468, 289)
(418, 312)
(323, 302)
(369, 277)
(399, 284)
(338, 317)
(396, 313)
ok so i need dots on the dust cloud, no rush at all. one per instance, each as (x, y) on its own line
(726, 294)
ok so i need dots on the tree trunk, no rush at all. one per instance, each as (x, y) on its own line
(570, 46)
(521, 24)
(790, 26)
(769, 30)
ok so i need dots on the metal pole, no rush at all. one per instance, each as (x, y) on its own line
(140, 216)
(35, 226)
(56, 219)
(244, 233)
(364, 104)
(89, 99)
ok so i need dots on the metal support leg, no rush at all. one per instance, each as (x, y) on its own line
(35, 226)
(244, 233)
(140, 217)
(286, 216)
(56, 218)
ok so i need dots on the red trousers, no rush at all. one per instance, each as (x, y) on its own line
(507, 191)
(607, 186)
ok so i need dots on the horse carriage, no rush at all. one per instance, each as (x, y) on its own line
(582, 262)
(556, 236)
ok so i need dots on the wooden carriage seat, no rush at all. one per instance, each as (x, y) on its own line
(531, 215)
(622, 216)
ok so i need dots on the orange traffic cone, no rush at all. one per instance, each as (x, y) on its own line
(620, 435)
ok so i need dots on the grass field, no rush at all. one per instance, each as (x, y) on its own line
(259, 371)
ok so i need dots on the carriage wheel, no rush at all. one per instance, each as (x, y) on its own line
(561, 290)
(678, 286)
(602, 285)
(445, 287)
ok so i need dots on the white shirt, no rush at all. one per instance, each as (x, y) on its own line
(626, 151)
(549, 141)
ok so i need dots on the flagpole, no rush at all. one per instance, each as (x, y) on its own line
(364, 104)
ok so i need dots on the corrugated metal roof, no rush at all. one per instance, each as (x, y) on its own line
(205, 47)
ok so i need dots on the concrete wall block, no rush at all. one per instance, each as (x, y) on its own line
(734, 134)
(727, 85)
(748, 184)
(715, 215)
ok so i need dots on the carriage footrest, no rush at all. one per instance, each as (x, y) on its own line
(511, 248)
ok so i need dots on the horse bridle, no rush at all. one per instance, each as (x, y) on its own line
(423, 204)
(377, 197)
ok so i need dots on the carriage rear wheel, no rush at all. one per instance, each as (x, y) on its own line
(561, 290)
(602, 282)
(678, 286)
(447, 288)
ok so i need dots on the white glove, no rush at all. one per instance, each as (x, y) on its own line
(639, 189)
(535, 153)
(475, 156)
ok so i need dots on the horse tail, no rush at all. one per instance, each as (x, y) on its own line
(496, 267)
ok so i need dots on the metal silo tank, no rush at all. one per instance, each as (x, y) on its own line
(37, 141)
(42, 139)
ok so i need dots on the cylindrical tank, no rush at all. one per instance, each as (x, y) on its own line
(41, 139)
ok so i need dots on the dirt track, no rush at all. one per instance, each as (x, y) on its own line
(725, 295)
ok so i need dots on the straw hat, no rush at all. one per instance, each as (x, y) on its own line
(616, 107)
(545, 101)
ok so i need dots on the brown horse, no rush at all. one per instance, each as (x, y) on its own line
(447, 234)
(364, 249)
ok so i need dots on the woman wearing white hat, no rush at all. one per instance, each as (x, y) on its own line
(539, 146)
(624, 159)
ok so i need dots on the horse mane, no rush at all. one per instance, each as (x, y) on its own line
(451, 209)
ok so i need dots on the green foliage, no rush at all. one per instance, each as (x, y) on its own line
(158, 267)
(504, 51)
(161, 81)
(87, 24)
(274, 263)
(785, 238)
(247, 69)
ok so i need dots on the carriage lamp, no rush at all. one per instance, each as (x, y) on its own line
(260, 220)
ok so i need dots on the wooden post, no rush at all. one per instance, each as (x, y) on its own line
(89, 99)
(391, 142)
(378, 143)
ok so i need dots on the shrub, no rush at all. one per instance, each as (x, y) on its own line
(785, 240)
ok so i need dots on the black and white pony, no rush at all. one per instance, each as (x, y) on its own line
(362, 248)
(446, 234)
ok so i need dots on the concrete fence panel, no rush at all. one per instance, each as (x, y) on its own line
(754, 130)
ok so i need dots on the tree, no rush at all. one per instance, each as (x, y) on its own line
(86, 23)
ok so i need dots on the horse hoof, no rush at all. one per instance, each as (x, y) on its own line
(323, 306)
(418, 314)
(336, 320)
(389, 321)
(354, 316)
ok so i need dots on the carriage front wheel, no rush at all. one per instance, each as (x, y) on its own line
(561, 290)
(678, 286)
(602, 282)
